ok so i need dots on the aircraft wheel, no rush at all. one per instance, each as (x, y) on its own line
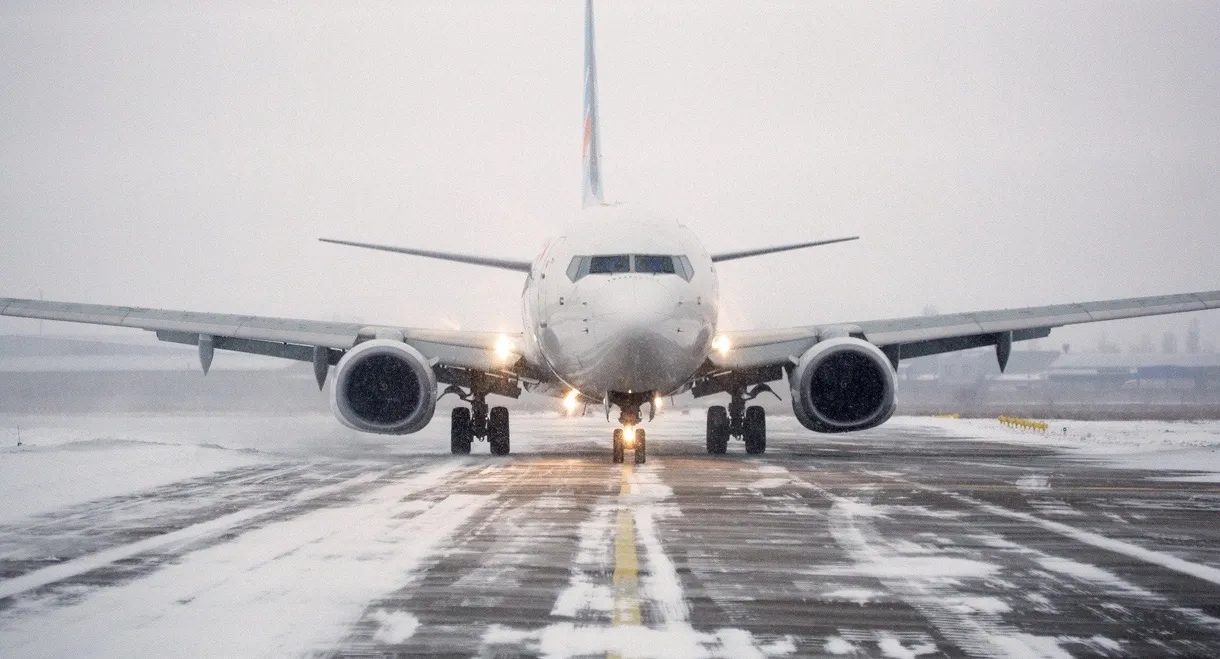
(755, 430)
(717, 430)
(461, 433)
(641, 451)
(617, 455)
(497, 430)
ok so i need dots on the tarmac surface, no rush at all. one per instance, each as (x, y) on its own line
(897, 542)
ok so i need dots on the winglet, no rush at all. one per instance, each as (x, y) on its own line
(591, 182)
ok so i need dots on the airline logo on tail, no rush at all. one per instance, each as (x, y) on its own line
(591, 186)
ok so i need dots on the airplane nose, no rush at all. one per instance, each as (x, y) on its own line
(638, 336)
(639, 309)
(652, 299)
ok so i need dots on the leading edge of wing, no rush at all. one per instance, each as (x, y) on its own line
(729, 256)
(337, 335)
(920, 328)
(503, 264)
(752, 348)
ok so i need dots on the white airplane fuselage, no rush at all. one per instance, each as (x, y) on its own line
(626, 331)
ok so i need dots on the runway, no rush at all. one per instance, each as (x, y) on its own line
(917, 539)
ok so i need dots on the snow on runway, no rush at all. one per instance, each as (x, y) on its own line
(232, 537)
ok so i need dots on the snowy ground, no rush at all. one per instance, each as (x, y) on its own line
(130, 536)
(1181, 446)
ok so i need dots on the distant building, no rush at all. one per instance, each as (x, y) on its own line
(1136, 369)
(968, 366)
(970, 381)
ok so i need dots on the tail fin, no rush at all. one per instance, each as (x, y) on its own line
(591, 185)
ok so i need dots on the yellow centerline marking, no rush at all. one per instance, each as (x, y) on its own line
(626, 582)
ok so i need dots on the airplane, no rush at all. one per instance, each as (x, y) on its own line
(621, 308)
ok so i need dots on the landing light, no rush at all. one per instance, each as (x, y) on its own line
(656, 403)
(722, 345)
(570, 401)
(628, 436)
(504, 348)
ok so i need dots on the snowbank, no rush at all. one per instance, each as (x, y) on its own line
(1187, 446)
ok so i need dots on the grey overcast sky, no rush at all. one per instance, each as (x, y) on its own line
(187, 155)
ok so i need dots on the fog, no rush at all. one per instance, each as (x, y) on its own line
(990, 155)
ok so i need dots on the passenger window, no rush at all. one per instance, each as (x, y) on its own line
(602, 265)
(654, 264)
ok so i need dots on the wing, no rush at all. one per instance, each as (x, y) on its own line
(917, 336)
(731, 256)
(452, 352)
(503, 264)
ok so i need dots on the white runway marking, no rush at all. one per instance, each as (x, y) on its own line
(1037, 490)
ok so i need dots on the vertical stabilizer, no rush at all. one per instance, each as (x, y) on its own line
(591, 184)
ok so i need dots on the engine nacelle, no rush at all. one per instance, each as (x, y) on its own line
(384, 386)
(843, 384)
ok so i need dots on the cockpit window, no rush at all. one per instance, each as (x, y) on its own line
(579, 267)
(654, 264)
(687, 267)
(602, 265)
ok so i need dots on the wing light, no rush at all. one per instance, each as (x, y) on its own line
(570, 401)
(722, 345)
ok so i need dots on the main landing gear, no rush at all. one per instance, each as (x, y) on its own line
(745, 423)
(630, 436)
(477, 421)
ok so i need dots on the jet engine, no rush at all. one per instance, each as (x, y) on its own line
(384, 386)
(842, 384)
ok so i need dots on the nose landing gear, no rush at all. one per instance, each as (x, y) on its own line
(630, 436)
